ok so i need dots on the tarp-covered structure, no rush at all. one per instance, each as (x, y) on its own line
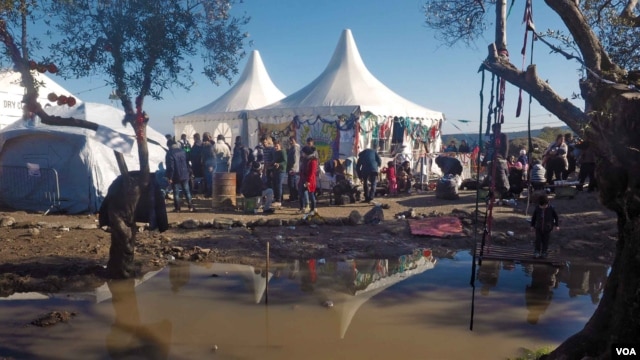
(66, 168)
(346, 109)
(12, 92)
(227, 114)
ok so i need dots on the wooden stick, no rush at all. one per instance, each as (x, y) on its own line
(266, 291)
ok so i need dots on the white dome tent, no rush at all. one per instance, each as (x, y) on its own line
(12, 92)
(254, 89)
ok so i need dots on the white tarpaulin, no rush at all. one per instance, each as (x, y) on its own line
(83, 159)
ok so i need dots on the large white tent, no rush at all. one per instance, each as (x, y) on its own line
(67, 168)
(346, 109)
(12, 91)
(226, 115)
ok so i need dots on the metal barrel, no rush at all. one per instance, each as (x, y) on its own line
(224, 189)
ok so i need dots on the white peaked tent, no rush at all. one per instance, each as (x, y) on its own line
(11, 93)
(344, 94)
(226, 115)
(71, 168)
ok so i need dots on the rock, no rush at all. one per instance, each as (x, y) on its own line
(7, 221)
(328, 304)
(355, 218)
(274, 222)
(177, 249)
(87, 226)
(53, 318)
(222, 223)
(34, 232)
(189, 224)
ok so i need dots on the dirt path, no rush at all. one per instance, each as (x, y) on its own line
(58, 252)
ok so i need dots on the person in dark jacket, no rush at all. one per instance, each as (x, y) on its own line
(178, 174)
(367, 168)
(254, 187)
(195, 156)
(449, 165)
(279, 171)
(239, 162)
(544, 219)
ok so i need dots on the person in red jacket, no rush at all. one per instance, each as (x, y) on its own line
(308, 177)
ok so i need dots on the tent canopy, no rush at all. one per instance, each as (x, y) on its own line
(344, 85)
(70, 166)
(254, 89)
(12, 92)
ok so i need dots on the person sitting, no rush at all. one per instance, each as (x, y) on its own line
(464, 147)
(538, 175)
(254, 188)
(452, 147)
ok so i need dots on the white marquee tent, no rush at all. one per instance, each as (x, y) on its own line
(361, 108)
(226, 115)
(66, 167)
(11, 93)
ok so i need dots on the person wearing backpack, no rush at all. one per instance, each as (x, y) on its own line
(544, 219)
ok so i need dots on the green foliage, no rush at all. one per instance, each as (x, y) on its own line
(146, 46)
(533, 354)
(549, 134)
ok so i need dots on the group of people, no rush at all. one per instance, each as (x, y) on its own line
(272, 165)
(185, 161)
(561, 159)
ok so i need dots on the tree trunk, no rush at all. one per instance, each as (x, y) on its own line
(614, 130)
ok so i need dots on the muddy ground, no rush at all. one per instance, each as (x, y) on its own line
(68, 252)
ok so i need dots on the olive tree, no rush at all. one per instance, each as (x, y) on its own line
(142, 47)
(604, 34)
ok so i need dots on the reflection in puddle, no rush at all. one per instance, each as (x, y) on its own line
(410, 306)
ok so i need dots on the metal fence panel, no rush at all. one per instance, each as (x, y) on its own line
(29, 188)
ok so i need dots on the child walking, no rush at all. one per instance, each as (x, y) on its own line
(390, 170)
(544, 219)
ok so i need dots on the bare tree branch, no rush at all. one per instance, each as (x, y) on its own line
(538, 88)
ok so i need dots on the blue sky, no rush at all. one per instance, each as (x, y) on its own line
(297, 38)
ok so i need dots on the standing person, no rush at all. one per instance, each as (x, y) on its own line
(367, 168)
(267, 158)
(555, 159)
(178, 174)
(239, 162)
(279, 171)
(571, 157)
(587, 160)
(308, 178)
(222, 150)
(184, 143)
(392, 182)
(195, 156)
(208, 160)
(544, 219)
(293, 168)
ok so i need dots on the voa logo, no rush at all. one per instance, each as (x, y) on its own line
(625, 351)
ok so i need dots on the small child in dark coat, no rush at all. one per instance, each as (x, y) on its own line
(544, 219)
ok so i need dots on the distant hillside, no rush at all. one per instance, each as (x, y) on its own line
(473, 137)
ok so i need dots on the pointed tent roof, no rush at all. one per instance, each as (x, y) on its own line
(346, 82)
(254, 89)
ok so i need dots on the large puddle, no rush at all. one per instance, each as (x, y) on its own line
(414, 307)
